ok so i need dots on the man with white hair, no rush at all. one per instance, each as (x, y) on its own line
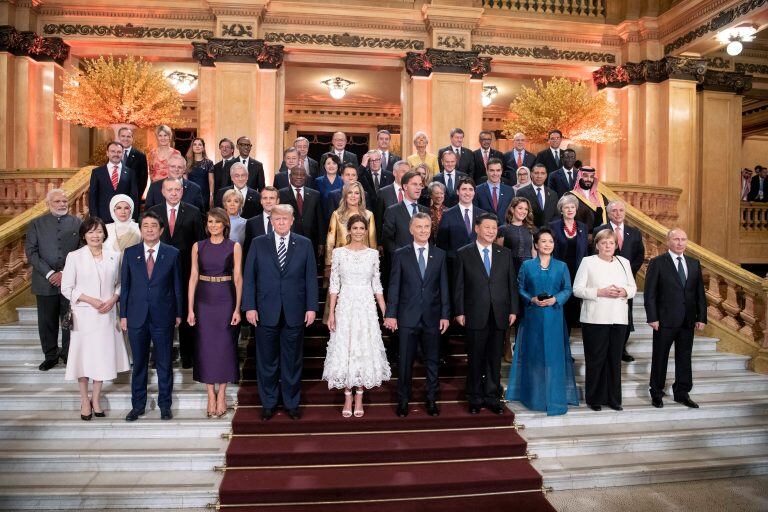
(251, 198)
(517, 157)
(50, 238)
(192, 194)
(307, 162)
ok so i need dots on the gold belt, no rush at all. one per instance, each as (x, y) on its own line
(219, 279)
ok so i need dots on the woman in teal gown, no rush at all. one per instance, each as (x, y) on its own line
(541, 377)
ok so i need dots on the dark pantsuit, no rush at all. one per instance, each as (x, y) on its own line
(50, 310)
(162, 341)
(430, 348)
(485, 348)
(279, 355)
(663, 339)
(603, 346)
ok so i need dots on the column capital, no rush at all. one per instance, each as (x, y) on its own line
(651, 71)
(447, 61)
(726, 81)
(29, 44)
(254, 51)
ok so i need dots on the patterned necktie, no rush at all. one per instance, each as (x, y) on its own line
(487, 262)
(150, 263)
(467, 224)
(172, 221)
(681, 270)
(422, 262)
(519, 158)
(299, 201)
(540, 197)
(281, 253)
(495, 198)
(115, 177)
(269, 223)
(619, 236)
(400, 196)
(485, 159)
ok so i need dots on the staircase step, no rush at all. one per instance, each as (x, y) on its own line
(18, 372)
(636, 385)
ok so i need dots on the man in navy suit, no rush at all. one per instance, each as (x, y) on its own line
(191, 193)
(308, 163)
(465, 161)
(397, 218)
(518, 157)
(450, 178)
(280, 298)
(109, 180)
(456, 228)
(552, 156)
(543, 200)
(483, 155)
(388, 196)
(494, 196)
(388, 160)
(134, 160)
(150, 307)
(255, 168)
(418, 306)
(372, 175)
(261, 224)
(563, 179)
(291, 160)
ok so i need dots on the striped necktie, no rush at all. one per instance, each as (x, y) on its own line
(281, 253)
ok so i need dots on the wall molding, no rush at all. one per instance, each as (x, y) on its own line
(344, 40)
(128, 31)
(544, 53)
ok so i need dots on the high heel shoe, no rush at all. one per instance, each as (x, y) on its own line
(83, 416)
(98, 414)
(211, 413)
(359, 412)
(222, 413)
(347, 411)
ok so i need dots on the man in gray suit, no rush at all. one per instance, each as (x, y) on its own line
(49, 239)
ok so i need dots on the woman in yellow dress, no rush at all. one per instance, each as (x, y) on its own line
(420, 142)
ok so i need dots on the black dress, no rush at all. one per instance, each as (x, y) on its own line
(519, 240)
(572, 308)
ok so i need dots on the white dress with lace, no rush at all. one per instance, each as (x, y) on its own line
(355, 354)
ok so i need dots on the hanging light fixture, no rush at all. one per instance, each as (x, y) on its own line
(337, 87)
(489, 93)
(183, 82)
(734, 38)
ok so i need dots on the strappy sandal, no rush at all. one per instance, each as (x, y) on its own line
(347, 411)
(359, 412)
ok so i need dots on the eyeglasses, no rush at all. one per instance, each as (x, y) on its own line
(374, 159)
(486, 140)
(245, 145)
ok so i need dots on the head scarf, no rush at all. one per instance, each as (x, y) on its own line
(121, 228)
(591, 195)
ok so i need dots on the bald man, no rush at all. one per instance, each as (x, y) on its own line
(518, 157)
(338, 148)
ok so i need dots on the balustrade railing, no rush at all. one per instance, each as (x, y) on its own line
(20, 190)
(659, 203)
(754, 218)
(579, 8)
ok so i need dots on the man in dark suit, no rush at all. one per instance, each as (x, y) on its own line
(758, 187)
(418, 307)
(397, 218)
(630, 244)
(483, 155)
(563, 179)
(372, 176)
(308, 163)
(280, 298)
(675, 305)
(388, 159)
(552, 156)
(308, 209)
(485, 301)
(109, 180)
(221, 168)
(338, 145)
(255, 168)
(518, 157)
(134, 160)
(542, 199)
(239, 178)
(465, 161)
(290, 160)
(191, 191)
(450, 178)
(494, 196)
(50, 238)
(151, 301)
(260, 224)
(185, 228)
(389, 195)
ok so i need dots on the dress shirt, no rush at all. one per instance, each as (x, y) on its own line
(398, 188)
(243, 191)
(340, 155)
(147, 248)
(520, 154)
(572, 177)
(243, 160)
(126, 151)
(384, 157)
(452, 176)
(110, 166)
(674, 262)
(456, 150)
(416, 248)
(277, 241)
(296, 191)
(409, 205)
(555, 153)
(497, 186)
(481, 248)
(536, 189)
(620, 227)
(463, 209)
(266, 221)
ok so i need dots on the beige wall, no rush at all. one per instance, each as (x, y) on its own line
(754, 151)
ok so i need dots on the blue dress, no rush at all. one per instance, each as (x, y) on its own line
(325, 187)
(541, 376)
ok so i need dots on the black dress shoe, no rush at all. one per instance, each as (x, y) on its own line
(687, 402)
(166, 414)
(134, 415)
(267, 414)
(474, 409)
(495, 408)
(402, 409)
(596, 407)
(657, 402)
(616, 407)
(294, 414)
(627, 358)
(432, 408)
(48, 364)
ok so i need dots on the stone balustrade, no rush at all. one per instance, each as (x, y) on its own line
(578, 8)
(20, 190)
(659, 203)
(754, 217)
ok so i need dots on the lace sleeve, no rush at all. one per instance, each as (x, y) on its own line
(335, 281)
(376, 278)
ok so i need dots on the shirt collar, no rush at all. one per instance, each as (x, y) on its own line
(614, 226)
(155, 247)
(480, 247)
(241, 190)
(168, 205)
(675, 256)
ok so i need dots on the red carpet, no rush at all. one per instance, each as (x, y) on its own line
(455, 462)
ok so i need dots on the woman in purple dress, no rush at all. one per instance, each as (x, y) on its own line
(215, 290)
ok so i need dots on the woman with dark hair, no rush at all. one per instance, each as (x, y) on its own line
(200, 171)
(91, 282)
(541, 376)
(332, 179)
(355, 355)
(215, 291)
(517, 232)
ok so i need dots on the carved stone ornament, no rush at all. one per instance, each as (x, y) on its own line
(29, 44)
(650, 71)
(544, 53)
(126, 31)
(344, 40)
(726, 81)
(451, 42)
(447, 61)
(254, 51)
(748, 67)
(236, 30)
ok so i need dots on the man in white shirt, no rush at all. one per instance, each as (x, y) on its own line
(383, 140)
(518, 157)
(551, 156)
(338, 148)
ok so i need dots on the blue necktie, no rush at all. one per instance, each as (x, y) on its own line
(415, 209)
(467, 224)
(681, 270)
(539, 197)
(487, 262)
(281, 253)
(422, 262)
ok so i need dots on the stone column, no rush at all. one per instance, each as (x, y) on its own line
(7, 102)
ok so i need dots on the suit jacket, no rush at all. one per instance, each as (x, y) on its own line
(221, 176)
(541, 217)
(137, 161)
(465, 164)
(157, 300)
(310, 223)
(632, 248)
(251, 204)
(561, 242)
(412, 299)
(192, 194)
(477, 295)
(365, 177)
(270, 291)
(101, 191)
(385, 198)
(49, 240)
(390, 162)
(667, 300)
(754, 189)
(452, 232)
(510, 164)
(484, 200)
(255, 173)
(558, 181)
(545, 157)
(451, 197)
(253, 227)
(187, 231)
(314, 168)
(396, 226)
(281, 180)
(479, 165)
(349, 158)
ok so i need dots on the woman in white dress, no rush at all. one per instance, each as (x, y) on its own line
(124, 231)
(355, 357)
(91, 282)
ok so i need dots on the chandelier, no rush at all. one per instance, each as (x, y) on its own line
(337, 87)
(488, 94)
(183, 82)
(734, 37)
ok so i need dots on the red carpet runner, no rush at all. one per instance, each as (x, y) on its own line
(326, 463)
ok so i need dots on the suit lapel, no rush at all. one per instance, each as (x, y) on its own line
(476, 256)
(415, 263)
(673, 269)
(273, 249)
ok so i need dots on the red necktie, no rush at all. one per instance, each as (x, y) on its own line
(495, 198)
(519, 158)
(172, 221)
(299, 201)
(150, 263)
(400, 196)
(485, 159)
(115, 177)
(619, 236)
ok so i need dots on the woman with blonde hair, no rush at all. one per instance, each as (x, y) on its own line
(159, 156)
(232, 201)
(420, 142)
